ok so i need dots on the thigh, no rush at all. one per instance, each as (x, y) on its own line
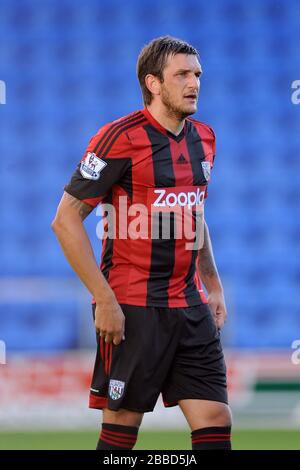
(199, 370)
(122, 417)
(130, 376)
(205, 413)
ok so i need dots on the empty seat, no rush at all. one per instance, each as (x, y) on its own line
(70, 68)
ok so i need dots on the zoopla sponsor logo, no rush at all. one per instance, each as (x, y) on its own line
(190, 198)
(2, 92)
(2, 352)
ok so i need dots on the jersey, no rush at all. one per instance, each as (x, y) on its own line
(150, 170)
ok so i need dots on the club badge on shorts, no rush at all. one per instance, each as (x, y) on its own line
(206, 170)
(116, 389)
(91, 166)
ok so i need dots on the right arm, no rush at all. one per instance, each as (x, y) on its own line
(69, 229)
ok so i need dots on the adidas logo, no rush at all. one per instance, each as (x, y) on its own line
(181, 159)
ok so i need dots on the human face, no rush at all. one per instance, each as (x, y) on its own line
(180, 88)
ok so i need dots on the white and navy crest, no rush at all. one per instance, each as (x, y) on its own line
(91, 166)
(206, 170)
(116, 389)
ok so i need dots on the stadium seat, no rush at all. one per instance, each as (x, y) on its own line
(70, 67)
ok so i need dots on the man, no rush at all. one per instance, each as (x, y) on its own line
(156, 331)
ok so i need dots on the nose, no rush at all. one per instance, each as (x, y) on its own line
(194, 83)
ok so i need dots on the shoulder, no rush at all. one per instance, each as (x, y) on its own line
(111, 139)
(208, 138)
(205, 130)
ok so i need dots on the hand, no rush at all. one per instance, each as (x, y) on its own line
(110, 321)
(217, 305)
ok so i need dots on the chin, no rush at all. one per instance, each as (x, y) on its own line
(189, 110)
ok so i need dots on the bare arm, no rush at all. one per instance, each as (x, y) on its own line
(206, 264)
(70, 231)
(210, 277)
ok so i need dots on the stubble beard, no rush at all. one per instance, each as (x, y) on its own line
(174, 110)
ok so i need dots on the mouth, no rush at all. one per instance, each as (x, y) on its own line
(191, 97)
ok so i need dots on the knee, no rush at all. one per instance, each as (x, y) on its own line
(217, 414)
(220, 416)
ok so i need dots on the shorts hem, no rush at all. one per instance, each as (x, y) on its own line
(170, 404)
(136, 303)
(98, 403)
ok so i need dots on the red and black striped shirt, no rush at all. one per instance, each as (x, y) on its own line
(138, 159)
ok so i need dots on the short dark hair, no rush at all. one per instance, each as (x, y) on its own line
(153, 58)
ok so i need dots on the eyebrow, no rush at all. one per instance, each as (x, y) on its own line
(200, 71)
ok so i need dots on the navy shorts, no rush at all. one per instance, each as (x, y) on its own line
(173, 351)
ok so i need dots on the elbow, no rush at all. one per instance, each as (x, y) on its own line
(63, 221)
(56, 224)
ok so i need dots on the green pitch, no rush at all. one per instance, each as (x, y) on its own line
(159, 440)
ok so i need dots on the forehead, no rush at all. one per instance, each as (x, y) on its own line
(182, 61)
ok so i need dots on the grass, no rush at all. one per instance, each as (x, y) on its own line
(148, 440)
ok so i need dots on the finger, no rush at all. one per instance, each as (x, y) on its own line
(108, 338)
(221, 315)
(214, 313)
(220, 321)
(97, 328)
(118, 338)
(213, 309)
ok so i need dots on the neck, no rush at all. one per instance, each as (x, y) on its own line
(166, 118)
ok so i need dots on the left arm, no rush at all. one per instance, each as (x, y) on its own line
(210, 277)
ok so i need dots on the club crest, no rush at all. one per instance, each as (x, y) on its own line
(116, 389)
(206, 170)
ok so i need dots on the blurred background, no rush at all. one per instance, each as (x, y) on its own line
(69, 67)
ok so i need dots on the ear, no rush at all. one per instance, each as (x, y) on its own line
(153, 84)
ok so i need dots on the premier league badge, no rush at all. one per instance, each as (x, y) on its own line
(91, 166)
(116, 389)
(206, 170)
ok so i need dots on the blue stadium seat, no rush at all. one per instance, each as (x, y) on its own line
(77, 63)
(39, 327)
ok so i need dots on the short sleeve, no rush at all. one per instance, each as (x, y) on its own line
(211, 153)
(104, 163)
